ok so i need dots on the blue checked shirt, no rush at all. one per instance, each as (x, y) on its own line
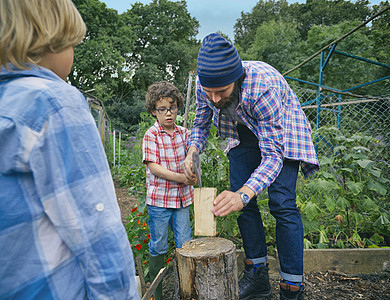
(271, 110)
(61, 235)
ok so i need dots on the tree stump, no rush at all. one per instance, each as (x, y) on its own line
(207, 269)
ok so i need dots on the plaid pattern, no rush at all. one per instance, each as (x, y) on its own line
(168, 151)
(271, 110)
(61, 233)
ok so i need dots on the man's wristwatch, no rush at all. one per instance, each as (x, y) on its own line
(244, 198)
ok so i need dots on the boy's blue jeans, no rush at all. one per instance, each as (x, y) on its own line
(243, 160)
(159, 220)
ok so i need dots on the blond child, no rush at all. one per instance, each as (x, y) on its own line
(61, 234)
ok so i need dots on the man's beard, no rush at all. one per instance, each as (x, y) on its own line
(225, 102)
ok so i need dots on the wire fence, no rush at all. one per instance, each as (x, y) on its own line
(351, 115)
(368, 117)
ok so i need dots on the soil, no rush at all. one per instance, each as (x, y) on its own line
(126, 202)
(318, 285)
(321, 286)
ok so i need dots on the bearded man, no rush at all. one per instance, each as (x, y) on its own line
(269, 138)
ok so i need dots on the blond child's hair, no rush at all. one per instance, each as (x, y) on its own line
(31, 28)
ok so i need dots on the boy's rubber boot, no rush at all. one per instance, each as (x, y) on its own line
(156, 263)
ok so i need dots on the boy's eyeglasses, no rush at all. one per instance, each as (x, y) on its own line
(164, 111)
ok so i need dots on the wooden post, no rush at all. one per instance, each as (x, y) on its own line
(205, 221)
(207, 269)
(141, 276)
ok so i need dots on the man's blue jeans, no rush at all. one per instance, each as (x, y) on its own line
(243, 160)
(160, 219)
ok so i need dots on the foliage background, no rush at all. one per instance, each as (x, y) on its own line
(347, 203)
(122, 54)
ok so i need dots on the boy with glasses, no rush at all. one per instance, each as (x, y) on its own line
(169, 191)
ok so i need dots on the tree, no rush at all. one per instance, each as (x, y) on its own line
(122, 55)
(380, 37)
(336, 73)
(99, 59)
(329, 12)
(305, 15)
(264, 11)
(165, 48)
(276, 43)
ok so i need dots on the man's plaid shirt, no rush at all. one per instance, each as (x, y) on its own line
(168, 151)
(271, 110)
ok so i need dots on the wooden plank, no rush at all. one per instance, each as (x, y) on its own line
(155, 283)
(349, 261)
(205, 221)
(141, 275)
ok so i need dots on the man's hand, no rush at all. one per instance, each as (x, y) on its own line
(227, 202)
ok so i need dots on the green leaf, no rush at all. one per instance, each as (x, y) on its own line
(327, 175)
(322, 237)
(355, 216)
(370, 205)
(322, 246)
(355, 237)
(311, 210)
(342, 203)
(374, 171)
(337, 149)
(382, 221)
(324, 161)
(307, 244)
(354, 187)
(347, 170)
(330, 204)
(318, 185)
(376, 238)
(377, 187)
(360, 148)
(262, 202)
(309, 226)
(364, 163)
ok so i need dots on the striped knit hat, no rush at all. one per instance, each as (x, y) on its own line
(218, 62)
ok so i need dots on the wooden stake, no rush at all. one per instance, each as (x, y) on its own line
(141, 275)
(154, 284)
(205, 221)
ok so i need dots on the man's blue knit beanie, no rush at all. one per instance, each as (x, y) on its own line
(218, 62)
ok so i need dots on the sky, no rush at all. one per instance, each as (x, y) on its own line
(213, 15)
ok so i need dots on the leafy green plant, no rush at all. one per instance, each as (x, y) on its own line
(347, 198)
(139, 236)
(345, 204)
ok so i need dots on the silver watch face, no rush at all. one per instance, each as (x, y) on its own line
(245, 198)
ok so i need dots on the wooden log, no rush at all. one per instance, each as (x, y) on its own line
(205, 221)
(207, 269)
